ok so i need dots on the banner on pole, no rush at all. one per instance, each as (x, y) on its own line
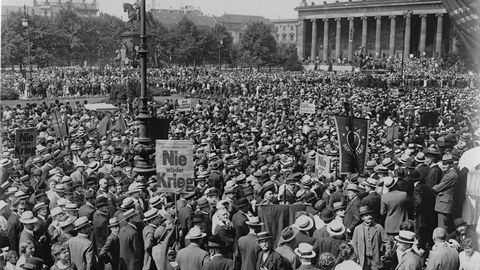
(322, 165)
(307, 108)
(174, 160)
(392, 133)
(25, 142)
(353, 138)
(184, 104)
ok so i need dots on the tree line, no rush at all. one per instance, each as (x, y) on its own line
(69, 39)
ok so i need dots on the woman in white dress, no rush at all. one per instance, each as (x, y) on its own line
(469, 258)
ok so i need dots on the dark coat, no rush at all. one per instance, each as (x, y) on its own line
(394, 206)
(434, 176)
(352, 217)
(423, 205)
(219, 263)
(330, 244)
(302, 237)
(409, 261)
(14, 227)
(110, 252)
(131, 248)
(238, 220)
(191, 257)
(86, 210)
(372, 200)
(100, 231)
(379, 238)
(248, 250)
(444, 191)
(274, 261)
(81, 252)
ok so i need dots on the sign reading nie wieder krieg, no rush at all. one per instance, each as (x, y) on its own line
(174, 160)
(25, 142)
(322, 165)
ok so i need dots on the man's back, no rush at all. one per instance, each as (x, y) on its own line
(443, 257)
(248, 249)
(81, 252)
(394, 208)
(191, 257)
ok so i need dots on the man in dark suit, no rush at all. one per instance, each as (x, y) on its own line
(423, 210)
(444, 194)
(217, 261)
(462, 231)
(372, 200)
(247, 251)
(14, 227)
(184, 217)
(304, 224)
(131, 248)
(110, 253)
(394, 206)
(100, 227)
(268, 259)
(337, 236)
(81, 248)
(434, 172)
(239, 219)
(87, 210)
(192, 257)
(352, 218)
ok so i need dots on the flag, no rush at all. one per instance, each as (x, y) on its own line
(159, 128)
(464, 15)
(59, 125)
(105, 125)
(352, 135)
(121, 125)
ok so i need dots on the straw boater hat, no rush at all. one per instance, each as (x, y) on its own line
(28, 218)
(263, 236)
(304, 223)
(254, 222)
(113, 222)
(405, 237)
(195, 233)
(389, 182)
(305, 250)
(129, 213)
(81, 222)
(371, 182)
(335, 228)
(150, 214)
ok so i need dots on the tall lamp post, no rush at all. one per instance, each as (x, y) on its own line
(25, 23)
(144, 149)
(219, 56)
(405, 14)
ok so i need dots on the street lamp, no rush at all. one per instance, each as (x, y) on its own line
(144, 149)
(219, 58)
(25, 23)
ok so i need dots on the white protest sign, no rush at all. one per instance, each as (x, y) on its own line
(307, 108)
(25, 142)
(184, 104)
(395, 92)
(322, 164)
(174, 160)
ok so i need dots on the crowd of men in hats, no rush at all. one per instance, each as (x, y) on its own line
(78, 203)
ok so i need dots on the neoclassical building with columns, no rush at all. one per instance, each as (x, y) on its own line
(383, 27)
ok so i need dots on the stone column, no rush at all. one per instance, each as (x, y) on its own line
(350, 39)
(439, 37)
(313, 51)
(406, 39)
(393, 24)
(378, 31)
(301, 39)
(423, 34)
(325, 39)
(364, 32)
(337, 38)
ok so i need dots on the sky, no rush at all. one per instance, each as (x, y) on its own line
(271, 9)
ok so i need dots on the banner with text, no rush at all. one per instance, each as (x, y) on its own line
(307, 108)
(352, 135)
(322, 165)
(184, 104)
(25, 142)
(174, 160)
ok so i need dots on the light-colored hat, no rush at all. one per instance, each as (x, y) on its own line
(335, 227)
(389, 182)
(113, 222)
(80, 164)
(28, 218)
(56, 210)
(150, 214)
(304, 223)
(405, 237)
(254, 221)
(81, 222)
(129, 213)
(305, 250)
(195, 233)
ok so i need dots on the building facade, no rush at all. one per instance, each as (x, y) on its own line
(237, 24)
(384, 28)
(286, 31)
(50, 8)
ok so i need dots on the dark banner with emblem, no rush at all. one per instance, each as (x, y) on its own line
(353, 141)
(465, 16)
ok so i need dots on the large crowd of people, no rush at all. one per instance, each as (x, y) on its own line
(79, 203)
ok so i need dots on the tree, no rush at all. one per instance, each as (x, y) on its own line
(14, 40)
(184, 38)
(287, 57)
(258, 46)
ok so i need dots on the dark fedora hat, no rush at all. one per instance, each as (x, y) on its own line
(364, 210)
(459, 222)
(242, 202)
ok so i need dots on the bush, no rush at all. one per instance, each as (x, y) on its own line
(8, 93)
